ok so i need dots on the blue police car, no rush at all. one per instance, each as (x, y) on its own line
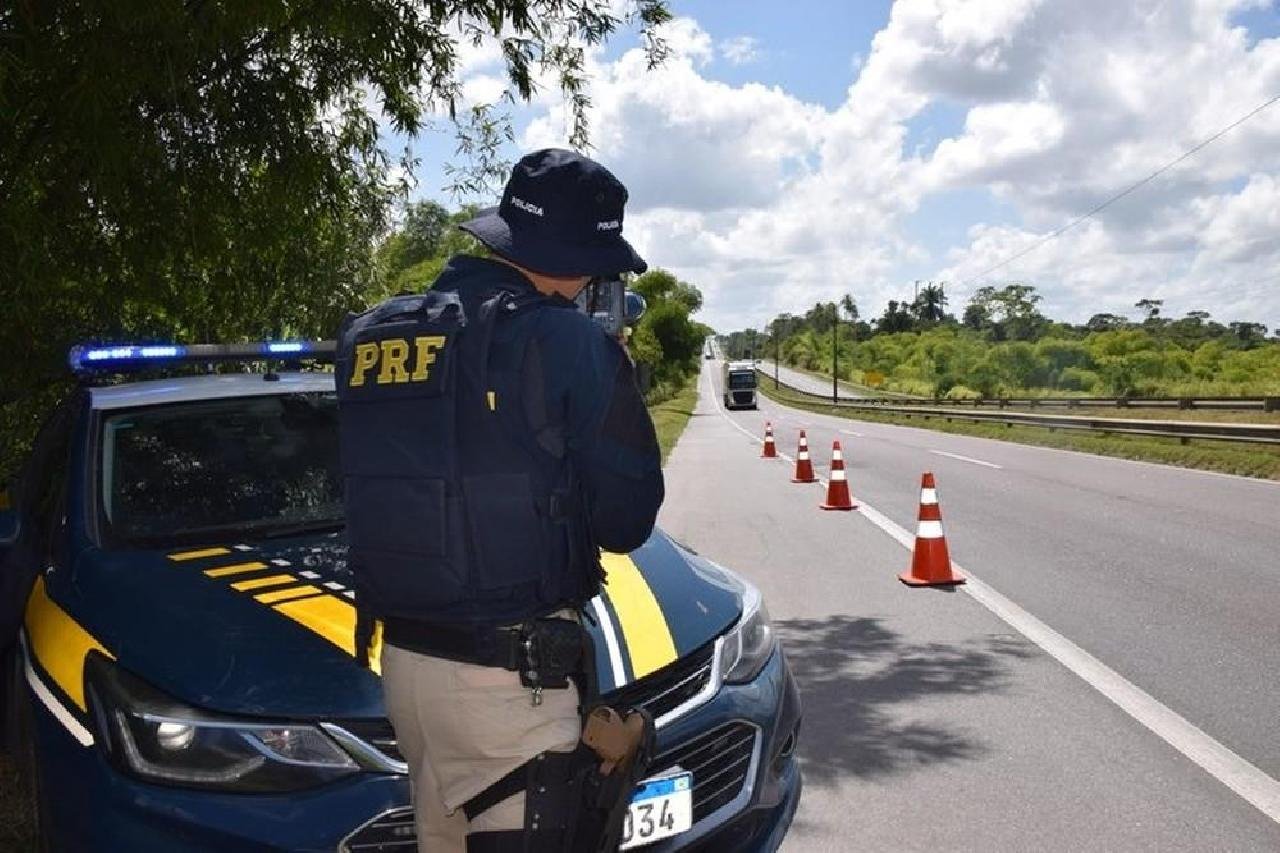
(184, 676)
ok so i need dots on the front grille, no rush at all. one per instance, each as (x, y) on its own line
(719, 761)
(670, 687)
(390, 832)
(742, 397)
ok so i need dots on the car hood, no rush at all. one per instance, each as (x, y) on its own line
(266, 629)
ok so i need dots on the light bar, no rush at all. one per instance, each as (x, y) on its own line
(120, 358)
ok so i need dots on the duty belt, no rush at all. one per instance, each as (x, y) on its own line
(545, 652)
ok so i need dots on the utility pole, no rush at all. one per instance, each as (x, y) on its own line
(835, 352)
(777, 354)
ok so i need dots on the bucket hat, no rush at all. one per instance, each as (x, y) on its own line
(560, 215)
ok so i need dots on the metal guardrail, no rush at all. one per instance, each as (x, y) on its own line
(1182, 430)
(1220, 404)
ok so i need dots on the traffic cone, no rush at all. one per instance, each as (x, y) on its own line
(930, 561)
(837, 487)
(770, 450)
(804, 468)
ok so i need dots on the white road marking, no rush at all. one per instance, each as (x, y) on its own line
(1247, 781)
(60, 713)
(852, 433)
(610, 641)
(967, 459)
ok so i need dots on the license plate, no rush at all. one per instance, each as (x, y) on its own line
(660, 808)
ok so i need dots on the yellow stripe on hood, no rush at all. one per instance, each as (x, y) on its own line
(59, 643)
(648, 636)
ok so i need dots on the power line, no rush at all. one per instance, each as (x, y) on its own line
(1053, 235)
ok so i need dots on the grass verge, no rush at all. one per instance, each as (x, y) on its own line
(670, 418)
(1248, 460)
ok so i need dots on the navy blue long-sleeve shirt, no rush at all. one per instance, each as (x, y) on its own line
(589, 381)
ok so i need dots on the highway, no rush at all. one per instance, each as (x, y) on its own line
(1108, 682)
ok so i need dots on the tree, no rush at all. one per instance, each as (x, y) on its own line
(213, 171)
(849, 307)
(1150, 307)
(1009, 313)
(896, 318)
(659, 284)
(930, 304)
(1248, 333)
(1106, 322)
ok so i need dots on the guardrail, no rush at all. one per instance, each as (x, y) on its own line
(1220, 404)
(1185, 431)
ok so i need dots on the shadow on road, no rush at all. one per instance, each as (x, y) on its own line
(858, 680)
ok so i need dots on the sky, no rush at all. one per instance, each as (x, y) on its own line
(793, 152)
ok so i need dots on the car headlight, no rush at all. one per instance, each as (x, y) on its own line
(159, 739)
(748, 646)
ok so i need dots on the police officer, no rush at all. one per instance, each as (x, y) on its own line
(493, 440)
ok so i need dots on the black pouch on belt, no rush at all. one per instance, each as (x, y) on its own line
(555, 650)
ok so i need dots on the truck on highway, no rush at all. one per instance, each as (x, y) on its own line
(738, 380)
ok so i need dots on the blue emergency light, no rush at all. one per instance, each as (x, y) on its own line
(122, 358)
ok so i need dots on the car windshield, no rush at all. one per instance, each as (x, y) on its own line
(742, 380)
(249, 466)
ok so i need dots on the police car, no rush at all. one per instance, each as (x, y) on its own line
(184, 678)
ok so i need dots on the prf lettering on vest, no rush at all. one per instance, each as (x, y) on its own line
(391, 356)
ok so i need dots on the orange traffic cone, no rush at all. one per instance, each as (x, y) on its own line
(930, 561)
(837, 487)
(770, 450)
(804, 468)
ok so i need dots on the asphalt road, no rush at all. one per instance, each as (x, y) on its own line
(808, 382)
(932, 724)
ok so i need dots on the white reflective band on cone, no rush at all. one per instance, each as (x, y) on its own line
(928, 496)
(837, 456)
(929, 530)
(837, 475)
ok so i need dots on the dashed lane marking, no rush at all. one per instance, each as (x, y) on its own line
(967, 459)
(1246, 780)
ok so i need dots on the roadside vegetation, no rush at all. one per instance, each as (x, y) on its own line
(228, 179)
(1002, 346)
(671, 417)
(1246, 460)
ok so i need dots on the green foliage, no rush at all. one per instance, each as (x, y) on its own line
(666, 341)
(212, 171)
(1005, 347)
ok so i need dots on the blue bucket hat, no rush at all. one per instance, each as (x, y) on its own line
(560, 215)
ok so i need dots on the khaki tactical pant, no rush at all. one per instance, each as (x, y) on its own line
(461, 728)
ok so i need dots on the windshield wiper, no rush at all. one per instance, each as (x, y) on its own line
(267, 529)
(318, 525)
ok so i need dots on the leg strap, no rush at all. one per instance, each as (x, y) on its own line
(513, 783)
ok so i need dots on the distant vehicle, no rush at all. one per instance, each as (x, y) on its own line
(709, 355)
(739, 381)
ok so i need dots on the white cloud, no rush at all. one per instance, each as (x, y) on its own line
(740, 50)
(770, 203)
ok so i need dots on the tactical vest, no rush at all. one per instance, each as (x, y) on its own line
(462, 504)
